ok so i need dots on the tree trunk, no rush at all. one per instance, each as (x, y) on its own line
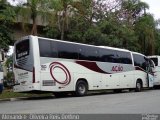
(34, 27)
(62, 28)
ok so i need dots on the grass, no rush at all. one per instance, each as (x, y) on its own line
(10, 94)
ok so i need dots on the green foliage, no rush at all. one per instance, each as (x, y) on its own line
(7, 16)
(157, 42)
(8, 79)
(122, 24)
(93, 36)
(5, 37)
(9, 62)
(51, 32)
(118, 35)
(77, 30)
(145, 29)
(8, 93)
(30, 11)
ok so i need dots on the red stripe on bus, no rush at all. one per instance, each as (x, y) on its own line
(65, 70)
(141, 69)
(92, 66)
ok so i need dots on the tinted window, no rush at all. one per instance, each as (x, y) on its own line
(47, 48)
(88, 53)
(108, 55)
(124, 57)
(67, 50)
(155, 60)
(57, 49)
(22, 49)
(140, 61)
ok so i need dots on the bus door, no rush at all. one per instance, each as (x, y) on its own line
(150, 75)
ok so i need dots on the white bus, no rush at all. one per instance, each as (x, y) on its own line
(43, 64)
(156, 60)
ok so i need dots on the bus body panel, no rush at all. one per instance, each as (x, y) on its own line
(23, 80)
(156, 60)
(54, 74)
(144, 69)
(96, 80)
(24, 66)
(140, 75)
(157, 76)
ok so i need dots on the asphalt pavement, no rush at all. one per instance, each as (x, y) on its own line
(145, 102)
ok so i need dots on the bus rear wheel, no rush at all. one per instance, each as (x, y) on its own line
(138, 86)
(81, 88)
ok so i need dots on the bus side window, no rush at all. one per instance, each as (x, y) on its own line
(67, 50)
(45, 48)
(140, 61)
(107, 55)
(54, 52)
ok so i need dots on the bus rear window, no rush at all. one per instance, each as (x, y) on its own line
(155, 60)
(22, 49)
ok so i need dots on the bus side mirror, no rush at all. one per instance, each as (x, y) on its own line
(152, 64)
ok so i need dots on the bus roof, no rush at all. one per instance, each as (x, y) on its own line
(154, 56)
(113, 48)
(138, 53)
(105, 47)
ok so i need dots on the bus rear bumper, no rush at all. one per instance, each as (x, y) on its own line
(1, 88)
(26, 88)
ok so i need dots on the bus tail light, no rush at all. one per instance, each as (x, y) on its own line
(33, 75)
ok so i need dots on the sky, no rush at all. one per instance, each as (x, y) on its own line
(15, 2)
(154, 7)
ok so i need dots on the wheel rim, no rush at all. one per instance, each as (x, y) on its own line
(139, 86)
(81, 88)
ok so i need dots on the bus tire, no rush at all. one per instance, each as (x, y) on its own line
(138, 86)
(81, 88)
(156, 86)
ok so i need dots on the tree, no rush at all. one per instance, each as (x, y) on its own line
(30, 11)
(62, 11)
(145, 29)
(9, 78)
(157, 41)
(7, 17)
(118, 35)
(116, 23)
(131, 10)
